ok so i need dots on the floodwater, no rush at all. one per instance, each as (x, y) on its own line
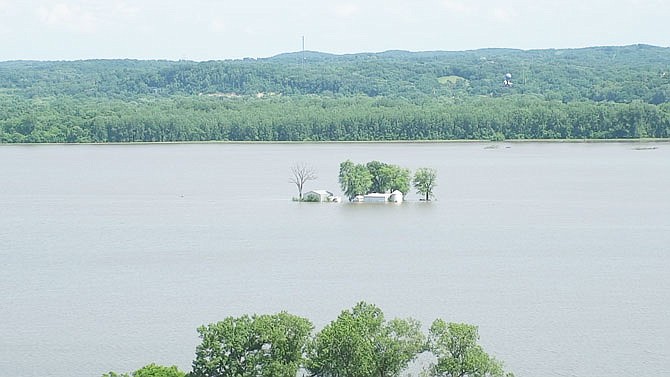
(113, 255)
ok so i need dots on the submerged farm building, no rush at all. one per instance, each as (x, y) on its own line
(377, 197)
(318, 196)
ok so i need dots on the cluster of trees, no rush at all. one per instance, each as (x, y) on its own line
(359, 343)
(375, 176)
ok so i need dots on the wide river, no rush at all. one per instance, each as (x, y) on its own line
(113, 255)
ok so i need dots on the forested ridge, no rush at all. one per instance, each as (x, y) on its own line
(599, 92)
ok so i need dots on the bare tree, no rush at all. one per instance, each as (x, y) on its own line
(301, 173)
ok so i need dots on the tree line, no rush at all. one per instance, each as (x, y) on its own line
(322, 118)
(359, 343)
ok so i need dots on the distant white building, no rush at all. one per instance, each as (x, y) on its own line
(396, 197)
(376, 197)
(318, 196)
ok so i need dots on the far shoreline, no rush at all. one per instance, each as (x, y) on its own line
(458, 141)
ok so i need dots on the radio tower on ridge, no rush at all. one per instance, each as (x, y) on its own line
(303, 51)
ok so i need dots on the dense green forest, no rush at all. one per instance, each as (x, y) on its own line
(599, 92)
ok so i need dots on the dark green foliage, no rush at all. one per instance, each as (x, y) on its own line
(151, 370)
(375, 176)
(360, 342)
(251, 346)
(63, 120)
(355, 179)
(458, 354)
(604, 92)
(620, 74)
(388, 178)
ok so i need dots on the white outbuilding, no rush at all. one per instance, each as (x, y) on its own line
(318, 196)
(396, 197)
(376, 197)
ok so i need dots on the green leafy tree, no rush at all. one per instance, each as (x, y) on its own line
(380, 177)
(458, 354)
(400, 180)
(424, 182)
(361, 343)
(387, 178)
(153, 370)
(355, 179)
(251, 346)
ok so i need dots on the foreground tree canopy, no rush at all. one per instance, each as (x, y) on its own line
(361, 342)
(458, 354)
(258, 345)
(604, 92)
(151, 370)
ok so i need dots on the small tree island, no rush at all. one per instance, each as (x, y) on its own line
(357, 180)
(374, 181)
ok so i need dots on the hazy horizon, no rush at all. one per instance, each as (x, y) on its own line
(202, 30)
(335, 54)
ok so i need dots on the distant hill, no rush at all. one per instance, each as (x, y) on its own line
(617, 74)
(490, 94)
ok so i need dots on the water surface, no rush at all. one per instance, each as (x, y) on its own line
(113, 255)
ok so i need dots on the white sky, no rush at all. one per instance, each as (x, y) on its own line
(231, 29)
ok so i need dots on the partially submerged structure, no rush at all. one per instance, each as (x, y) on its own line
(378, 197)
(320, 196)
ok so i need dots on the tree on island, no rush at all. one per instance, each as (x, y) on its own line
(300, 174)
(375, 176)
(424, 182)
(458, 354)
(355, 179)
(388, 178)
(360, 342)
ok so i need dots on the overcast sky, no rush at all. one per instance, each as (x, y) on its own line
(232, 29)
